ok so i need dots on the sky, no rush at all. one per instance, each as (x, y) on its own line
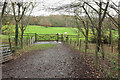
(42, 10)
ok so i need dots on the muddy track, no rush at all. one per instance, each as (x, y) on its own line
(60, 61)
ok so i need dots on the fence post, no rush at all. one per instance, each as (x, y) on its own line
(103, 54)
(23, 41)
(57, 37)
(61, 37)
(31, 40)
(67, 39)
(35, 37)
(27, 41)
(70, 41)
(10, 44)
(74, 44)
(112, 47)
(77, 42)
(80, 44)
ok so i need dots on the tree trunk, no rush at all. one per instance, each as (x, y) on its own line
(86, 44)
(110, 34)
(96, 56)
(35, 37)
(103, 54)
(57, 37)
(99, 36)
(119, 41)
(10, 43)
(0, 47)
(0, 23)
(16, 35)
(98, 42)
(2, 13)
(78, 37)
(22, 39)
(80, 44)
(119, 49)
(87, 31)
(86, 39)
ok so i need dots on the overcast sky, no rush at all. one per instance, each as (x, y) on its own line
(41, 9)
(44, 4)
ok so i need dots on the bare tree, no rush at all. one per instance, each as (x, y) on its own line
(117, 24)
(119, 40)
(25, 21)
(3, 7)
(101, 12)
(101, 17)
(101, 9)
(84, 29)
(19, 9)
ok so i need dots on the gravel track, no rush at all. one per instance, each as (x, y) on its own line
(60, 61)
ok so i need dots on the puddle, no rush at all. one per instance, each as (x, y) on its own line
(48, 42)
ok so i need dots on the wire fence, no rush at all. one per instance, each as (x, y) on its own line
(107, 67)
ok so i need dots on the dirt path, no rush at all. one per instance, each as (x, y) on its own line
(57, 62)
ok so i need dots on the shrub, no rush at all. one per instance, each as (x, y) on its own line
(93, 38)
(8, 29)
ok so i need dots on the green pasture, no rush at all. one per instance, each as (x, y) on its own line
(50, 30)
(40, 30)
(54, 30)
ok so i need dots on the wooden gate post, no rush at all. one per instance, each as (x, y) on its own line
(31, 41)
(57, 37)
(67, 39)
(61, 37)
(70, 41)
(80, 44)
(27, 41)
(74, 44)
(35, 37)
(10, 44)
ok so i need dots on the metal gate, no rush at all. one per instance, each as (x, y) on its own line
(6, 53)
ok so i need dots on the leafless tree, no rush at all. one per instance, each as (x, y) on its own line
(25, 21)
(84, 29)
(3, 6)
(19, 9)
(119, 40)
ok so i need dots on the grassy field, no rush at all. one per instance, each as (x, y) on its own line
(50, 30)
(55, 30)
(42, 30)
